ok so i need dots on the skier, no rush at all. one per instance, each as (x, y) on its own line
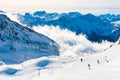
(39, 73)
(119, 42)
(81, 59)
(98, 61)
(89, 66)
(106, 59)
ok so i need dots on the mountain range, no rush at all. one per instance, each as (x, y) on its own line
(96, 28)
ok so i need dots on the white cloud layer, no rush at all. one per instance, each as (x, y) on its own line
(70, 43)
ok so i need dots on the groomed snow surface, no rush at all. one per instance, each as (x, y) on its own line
(104, 60)
(67, 67)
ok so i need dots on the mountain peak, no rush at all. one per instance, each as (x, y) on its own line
(39, 13)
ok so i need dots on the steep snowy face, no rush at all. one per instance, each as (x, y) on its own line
(19, 43)
(95, 28)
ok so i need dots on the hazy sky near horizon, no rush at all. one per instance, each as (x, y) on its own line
(32, 5)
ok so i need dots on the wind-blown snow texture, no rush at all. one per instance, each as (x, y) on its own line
(95, 28)
(19, 43)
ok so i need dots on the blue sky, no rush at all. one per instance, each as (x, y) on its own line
(56, 5)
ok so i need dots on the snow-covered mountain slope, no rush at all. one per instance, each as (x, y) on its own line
(67, 67)
(88, 24)
(19, 43)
